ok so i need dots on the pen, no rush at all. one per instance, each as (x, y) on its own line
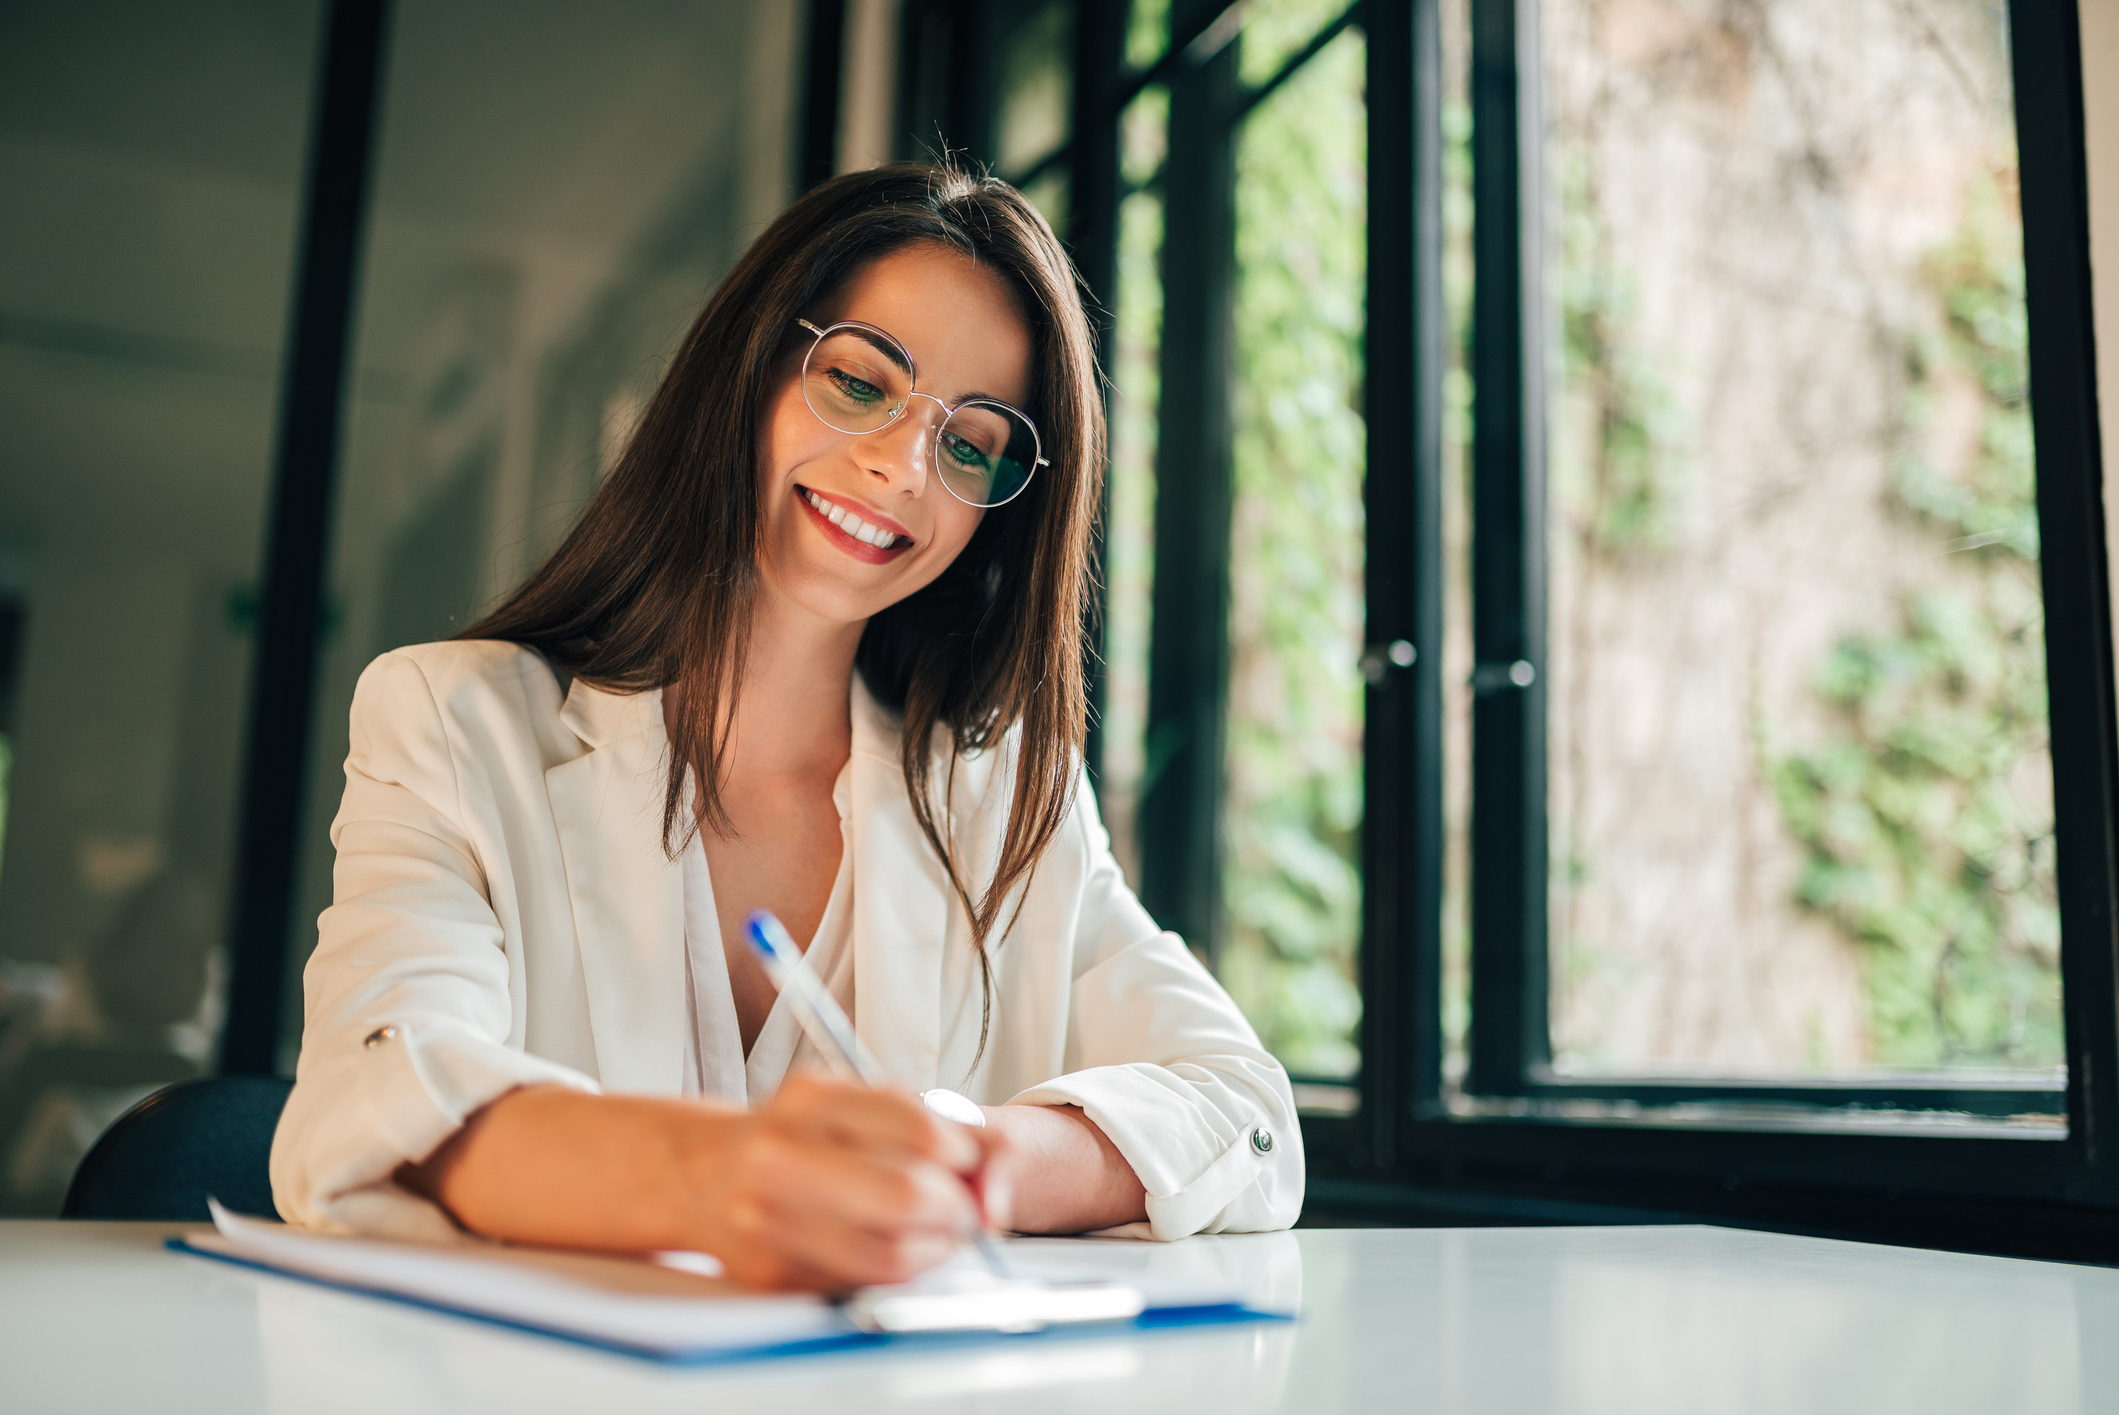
(826, 1024)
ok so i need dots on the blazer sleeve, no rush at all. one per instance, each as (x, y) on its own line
(408, 1015)
(1171, 1071)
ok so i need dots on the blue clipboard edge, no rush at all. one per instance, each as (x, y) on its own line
(1155, 1319)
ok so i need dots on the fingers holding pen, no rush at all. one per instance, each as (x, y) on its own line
(821, 1253)
(884, 1190)
(986, 1158)
(830, 1186)
(863, 1117)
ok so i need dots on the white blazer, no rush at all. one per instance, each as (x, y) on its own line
(505, 914)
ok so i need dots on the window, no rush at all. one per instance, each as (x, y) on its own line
(1768, 566)
(1604, 647)
(1790, 656)
(1788, 767)
(1231, 701)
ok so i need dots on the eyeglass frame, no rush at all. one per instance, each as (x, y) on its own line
(912, 371)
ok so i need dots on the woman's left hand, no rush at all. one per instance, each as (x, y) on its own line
(1064, 1174)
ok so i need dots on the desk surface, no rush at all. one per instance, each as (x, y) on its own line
(98, 1317)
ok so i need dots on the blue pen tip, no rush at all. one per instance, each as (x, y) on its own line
(760, 925)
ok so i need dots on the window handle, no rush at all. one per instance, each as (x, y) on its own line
(1377, 660)
(1490, 678)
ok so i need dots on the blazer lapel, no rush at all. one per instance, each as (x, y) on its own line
(627, 894)
(901, 908)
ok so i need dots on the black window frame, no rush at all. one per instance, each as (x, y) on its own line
(1870, 1161)
(1509, 1050)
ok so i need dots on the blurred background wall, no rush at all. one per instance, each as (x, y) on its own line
(151, 162)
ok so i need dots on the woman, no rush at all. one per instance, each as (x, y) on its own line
(815, 647)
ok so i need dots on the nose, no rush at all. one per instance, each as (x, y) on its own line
(899, 455)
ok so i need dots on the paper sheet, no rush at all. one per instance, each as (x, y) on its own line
(673, 1308)
(620, 1302)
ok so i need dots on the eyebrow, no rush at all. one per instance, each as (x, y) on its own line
(890, 351)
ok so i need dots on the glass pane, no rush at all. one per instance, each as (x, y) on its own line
(1275, 31)
(1455, 28)
(1037, 88)
(150, 171)
(550, 214)
(1129, 536)
(1801, 797)
(1147, 32)
(1292, 803)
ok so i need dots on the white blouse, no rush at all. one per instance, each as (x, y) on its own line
(715, 1066)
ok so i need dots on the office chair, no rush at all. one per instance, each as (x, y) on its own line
(162, 1158)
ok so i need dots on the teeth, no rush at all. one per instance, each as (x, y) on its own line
(848, 522)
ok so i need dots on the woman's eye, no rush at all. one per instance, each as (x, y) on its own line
(860, 390)
(963, 453)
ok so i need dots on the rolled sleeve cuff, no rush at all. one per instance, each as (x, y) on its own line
(1190, 1158)
(420, 1084)
(415, 1085)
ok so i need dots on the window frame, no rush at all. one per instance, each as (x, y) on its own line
(1576, 1148)
(1521, 1143)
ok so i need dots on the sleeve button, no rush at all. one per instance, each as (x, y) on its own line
(383, 1034)
(1262, 1140)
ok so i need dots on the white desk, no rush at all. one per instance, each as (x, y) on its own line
(99, 1318)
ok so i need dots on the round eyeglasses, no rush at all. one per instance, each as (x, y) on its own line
(858, 379)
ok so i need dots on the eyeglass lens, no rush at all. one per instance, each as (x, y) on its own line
(857, 382)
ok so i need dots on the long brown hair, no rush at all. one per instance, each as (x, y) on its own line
(654, 587)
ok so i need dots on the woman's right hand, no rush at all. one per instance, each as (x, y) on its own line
(827, 1186)
(831, 1185)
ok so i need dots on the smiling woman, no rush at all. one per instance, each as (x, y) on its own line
(815, 647)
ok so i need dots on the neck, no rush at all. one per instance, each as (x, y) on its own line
(792, 716)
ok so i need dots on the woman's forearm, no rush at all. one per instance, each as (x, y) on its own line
(1067, 1176)
(564, 1168)
(827, 1186)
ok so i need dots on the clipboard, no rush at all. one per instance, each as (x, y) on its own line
(675, 1309)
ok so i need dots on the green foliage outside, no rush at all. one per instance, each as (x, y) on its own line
(1927, 818)
(1620, 488)
(1617, 466)
(1129, 544)
(1457, 287)
(1147, 32)
(1292, 813)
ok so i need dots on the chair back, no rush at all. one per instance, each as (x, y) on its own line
(162, 1158)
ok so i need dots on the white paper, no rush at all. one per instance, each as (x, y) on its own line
(633, 1303)
(671, 1305)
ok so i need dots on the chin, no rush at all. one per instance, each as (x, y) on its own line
(830, 598)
